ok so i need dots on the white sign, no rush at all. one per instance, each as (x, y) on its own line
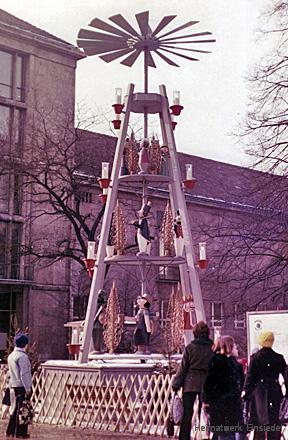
(275, 321)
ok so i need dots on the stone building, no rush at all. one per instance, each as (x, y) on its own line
(37, 76)
(37, 87)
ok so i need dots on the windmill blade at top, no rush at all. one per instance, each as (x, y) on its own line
(180, 55)
(183, 48)
(151, 62)
(113, 56)
(163, 23)
(102, 47)
(179, 28)
(123, 24)
(122, 40)
(93, 35)
(168, 61)
(130, 60)
(199, 34)
(143, 22)
(99, 24)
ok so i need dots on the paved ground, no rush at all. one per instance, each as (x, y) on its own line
(47, 432)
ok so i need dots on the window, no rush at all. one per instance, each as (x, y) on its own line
(84, 197)
(5, 120)
(216, 314)
(12, 76)
(10, 239)
(239, 316)
(79, 306)
(3, 248)
(6, 62)
(4, 192)
(15, 250)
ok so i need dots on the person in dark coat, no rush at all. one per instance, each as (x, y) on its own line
(222, 390)
(192, 373)
(262, 389)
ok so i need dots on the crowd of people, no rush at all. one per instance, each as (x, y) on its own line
(234, 404)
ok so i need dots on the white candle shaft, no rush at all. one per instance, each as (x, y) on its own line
(176, 97)
(105, 170)
(189, 172)
(90, 250)
(74, 338)
(202, 251)
(118, 96)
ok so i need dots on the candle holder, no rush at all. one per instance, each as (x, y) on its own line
(73, 348)
(176, 109)
(174, 123)
(116, 123)
(203, 264)
(189, 183)
(89, 264)
(103, 182)
(118, 108)
(103, 197)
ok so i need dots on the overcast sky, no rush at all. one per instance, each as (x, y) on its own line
(213, 91)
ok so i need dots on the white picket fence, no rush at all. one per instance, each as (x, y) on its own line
(134, 403)
(131, 403)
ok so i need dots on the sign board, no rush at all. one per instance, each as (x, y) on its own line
(275, 321)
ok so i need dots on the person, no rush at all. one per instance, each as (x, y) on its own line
(262, 389)
(98, 326)
(222, 390)
(20, 383)
(192, 373)
(143, 237)
(143, 326)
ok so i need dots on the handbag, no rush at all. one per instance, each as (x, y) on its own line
(6, 398)
(176, 409)
(26, 413)
(283, 411)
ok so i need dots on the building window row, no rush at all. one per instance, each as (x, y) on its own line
(84, 197)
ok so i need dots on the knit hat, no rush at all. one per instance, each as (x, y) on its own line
(21, 340)
(266, 339)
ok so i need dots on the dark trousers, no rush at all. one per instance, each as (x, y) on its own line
(13, 427)
(270, 435)
(188, 403)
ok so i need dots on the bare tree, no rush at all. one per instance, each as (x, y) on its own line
(54, 186)
(265, 131)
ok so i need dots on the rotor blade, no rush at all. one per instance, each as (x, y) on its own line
(184, 26)
(113, 56)
(130, 60)
(98, 43)
(142, 19)
(150, 60)
(123, 24)
(102, 48)
(90, 35)
(199, 34)
(194, 41)
(166, 59)
(180, 54)
(163, 23)
(97, 23)
(186, 42)
(184, 48)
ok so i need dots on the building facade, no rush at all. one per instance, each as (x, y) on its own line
(34, 66)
